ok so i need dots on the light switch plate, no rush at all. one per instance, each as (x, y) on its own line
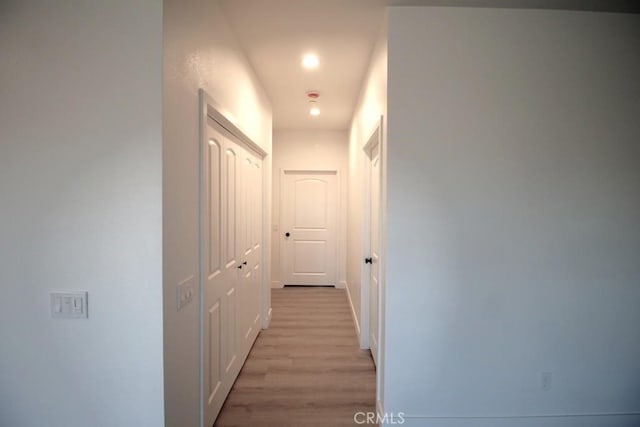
(185, 291)
(69, 305)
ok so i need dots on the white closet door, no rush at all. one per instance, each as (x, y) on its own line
(220, 256)
(231, 250)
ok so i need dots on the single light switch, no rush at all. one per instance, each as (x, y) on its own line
(69, 305)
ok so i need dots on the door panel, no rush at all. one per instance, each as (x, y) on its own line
(230, 230)
(251, 248)
(309, 257)
(309, 215)
(214, 185)
(310, 201)
(214, 360)
(256, 200)
(229, 316)
(247, 205)
(220, 278)
(374, 215)
(256, 234)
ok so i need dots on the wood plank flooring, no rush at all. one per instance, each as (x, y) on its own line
(306, 369)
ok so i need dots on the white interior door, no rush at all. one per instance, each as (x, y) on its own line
(308, 227)
(221, 259)
(231, 251)
(373, 260)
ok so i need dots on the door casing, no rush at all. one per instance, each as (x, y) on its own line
(376, 137)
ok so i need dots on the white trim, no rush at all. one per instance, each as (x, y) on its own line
(353, 315)
(311, 171)
(214, 110)
(382, 280)
(507, 416)
(365, 277)
(376, 138)
(379, 408)
(276, 284)
(542, 420)
(371, 141)
(265, 303)
(265, 325)
(203, 99)
(341, 284)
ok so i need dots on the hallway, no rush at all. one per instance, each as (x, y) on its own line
(306, 369)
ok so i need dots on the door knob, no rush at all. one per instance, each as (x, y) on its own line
(287, 234)
(368, 261)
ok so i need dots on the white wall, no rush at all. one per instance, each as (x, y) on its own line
(371, 107)
(513, 206)
(81, 209)
(200, 51)
(309, 150)
(372, 104)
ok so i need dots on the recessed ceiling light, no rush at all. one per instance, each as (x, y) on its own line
(314, 111)
(310, 61)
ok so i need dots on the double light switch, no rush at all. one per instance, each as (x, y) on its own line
(69, 305)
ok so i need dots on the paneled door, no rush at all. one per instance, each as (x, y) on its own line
(231, 255)
(251, 248)
(221, 259)
(308, 227)
(373, 259)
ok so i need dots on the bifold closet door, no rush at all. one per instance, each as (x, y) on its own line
(231, 250)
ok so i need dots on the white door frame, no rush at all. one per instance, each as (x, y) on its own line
(209, 108)
(281, 247)
(374, 138)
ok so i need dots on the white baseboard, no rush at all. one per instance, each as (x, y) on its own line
(593, 420)
(264, 321)
(379, 408)
(275, 284)
(353, 312)
(341, 285)
(266, 325)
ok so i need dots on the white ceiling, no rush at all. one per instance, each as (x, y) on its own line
(276, 33)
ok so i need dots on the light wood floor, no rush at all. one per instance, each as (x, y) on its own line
(306, 369)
